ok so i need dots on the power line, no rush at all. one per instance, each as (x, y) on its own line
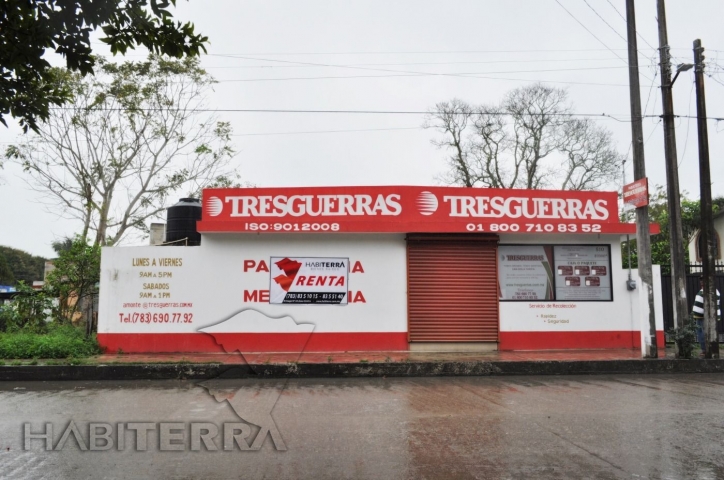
(332, 77)
(402, 73)
(626, 21)
(263, 134)
(648, 97)
(589, 31)
(688, 124)
(604, 21)
(416, 52)
(617, 117)
(427, 74)
(419, 52)
(326, 131)
(550, 60)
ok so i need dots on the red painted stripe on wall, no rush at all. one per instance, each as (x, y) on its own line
(254, 342)
(352, 341)
(573, 340)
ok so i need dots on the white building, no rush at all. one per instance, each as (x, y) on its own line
(380, 268)
(696, 246)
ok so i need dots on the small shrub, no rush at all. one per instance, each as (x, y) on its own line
(685, 338)
(364, 360)
(29, 311)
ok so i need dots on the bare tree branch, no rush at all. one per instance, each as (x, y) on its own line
(134, 136)
(530, 140)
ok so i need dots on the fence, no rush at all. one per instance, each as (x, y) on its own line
(694, 268)
(693, 273)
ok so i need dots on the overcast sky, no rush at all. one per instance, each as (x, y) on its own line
(297, 54)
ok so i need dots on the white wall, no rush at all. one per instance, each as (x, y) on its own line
(213, 280)
(719, 229)
(619, 315)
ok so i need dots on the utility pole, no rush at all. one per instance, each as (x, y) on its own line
(678, 275)
(707, 221)
(643, 237)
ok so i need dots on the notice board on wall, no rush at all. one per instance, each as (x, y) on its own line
(525, 272)
(583, 272)
(554, 272)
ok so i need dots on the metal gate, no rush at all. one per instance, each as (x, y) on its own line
(452, 288)
(692, 288)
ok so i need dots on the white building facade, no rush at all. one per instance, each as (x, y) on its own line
(391, 268)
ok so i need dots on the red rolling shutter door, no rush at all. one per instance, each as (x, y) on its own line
(452, 288)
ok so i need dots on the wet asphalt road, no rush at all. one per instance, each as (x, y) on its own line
(481, 427)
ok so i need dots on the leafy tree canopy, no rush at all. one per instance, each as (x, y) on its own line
(23, 266)
(76, 273)
(136, 136)
(6, 274)
(659, 213)
(28, 28)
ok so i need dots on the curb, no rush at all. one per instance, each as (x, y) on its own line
(342, 370)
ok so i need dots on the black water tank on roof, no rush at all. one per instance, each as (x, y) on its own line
(181, 222)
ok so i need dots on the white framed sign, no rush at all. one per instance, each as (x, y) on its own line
(309, 280)
(525, 272)
(583, 272)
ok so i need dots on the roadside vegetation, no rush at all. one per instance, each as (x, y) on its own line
(58, 342)
(55, 322)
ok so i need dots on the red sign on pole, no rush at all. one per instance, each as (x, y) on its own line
(637, 193)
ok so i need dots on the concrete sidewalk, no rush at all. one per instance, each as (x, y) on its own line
(376, 357)
(356, 364)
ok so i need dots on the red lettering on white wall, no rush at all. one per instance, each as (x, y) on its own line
(319, 280)
(357, 267)
(256, 296)
(263, 267)
(356, 297)
(259, 266)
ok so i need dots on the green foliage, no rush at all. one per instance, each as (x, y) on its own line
(6, 274)
(77, 271)
(62, 245)
(28, 84)
(685, 338)
(153, 139)
(24, 266)
(29, 311)
(63, 341)
(659, 213)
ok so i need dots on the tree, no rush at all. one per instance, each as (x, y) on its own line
(24, 266)
(530, 140)
(6, 274)
(659, 213)
(62, 245)
(133, 137)
(28, 84)
(74, 278)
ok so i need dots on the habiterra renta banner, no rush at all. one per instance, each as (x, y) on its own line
(409, 209)
(316, 280)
